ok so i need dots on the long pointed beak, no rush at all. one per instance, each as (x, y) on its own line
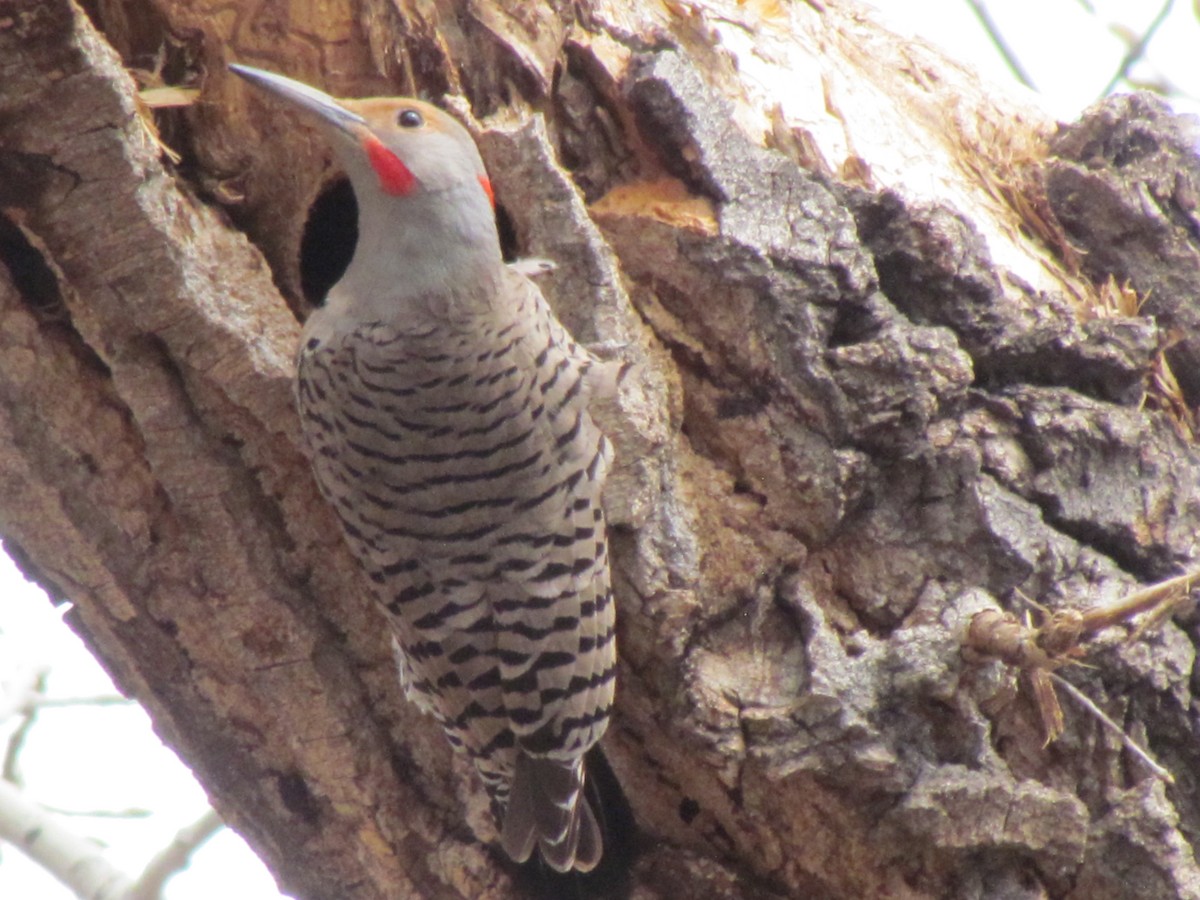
(307, 98)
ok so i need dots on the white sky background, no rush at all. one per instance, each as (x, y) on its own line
(107, 758)
(103, 758)
(1069, 54)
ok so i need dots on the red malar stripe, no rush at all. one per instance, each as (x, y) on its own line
(394, 176)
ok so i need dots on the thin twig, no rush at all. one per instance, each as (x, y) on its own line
(1130, 744)
(100, 700)
(1097, 618)
(174, 857)
(1010, 58)
(1137, 50)
(133, 812)
(22, 702)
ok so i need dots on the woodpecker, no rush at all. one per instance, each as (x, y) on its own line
(444, 410)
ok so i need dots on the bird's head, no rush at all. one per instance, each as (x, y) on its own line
(398, 146)
(426, 217)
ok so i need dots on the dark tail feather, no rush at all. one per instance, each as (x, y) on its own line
(547, 809)
(612, 877)
(590, 845)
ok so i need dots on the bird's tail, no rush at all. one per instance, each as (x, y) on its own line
(547, 809)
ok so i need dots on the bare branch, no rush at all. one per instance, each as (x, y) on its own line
(74, 860)
(174, 857)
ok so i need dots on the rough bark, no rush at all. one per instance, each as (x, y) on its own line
(878, 393)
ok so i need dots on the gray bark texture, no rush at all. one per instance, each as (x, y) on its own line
(890, 376)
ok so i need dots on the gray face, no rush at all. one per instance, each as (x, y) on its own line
(410, 145)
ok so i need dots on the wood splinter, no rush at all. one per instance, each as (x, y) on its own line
(1037, 651)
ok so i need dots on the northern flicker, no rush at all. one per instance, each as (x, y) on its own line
(445, 412)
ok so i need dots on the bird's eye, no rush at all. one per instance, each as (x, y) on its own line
(410, 118)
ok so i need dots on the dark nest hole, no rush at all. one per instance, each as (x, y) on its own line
(331, 233)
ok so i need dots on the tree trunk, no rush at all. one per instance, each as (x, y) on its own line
(890, 377)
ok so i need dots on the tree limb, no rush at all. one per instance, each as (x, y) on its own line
(75, 861)
(173, 858)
